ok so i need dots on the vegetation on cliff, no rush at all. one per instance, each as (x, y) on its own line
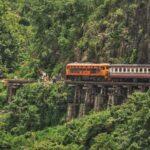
(48, 34)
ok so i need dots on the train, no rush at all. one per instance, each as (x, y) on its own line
(108, 72)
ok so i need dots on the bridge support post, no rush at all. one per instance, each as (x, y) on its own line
(129, 91)
(104, 96)
(118, 95)
(88, 99)
(73, 108)
(121, 95)
(71, 111)
(111, 97)
(97, 102)
(11, 91)
(124, 92)
(101, 98)
(82, 110)
(142, 88)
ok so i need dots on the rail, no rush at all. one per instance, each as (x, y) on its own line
(108, 83)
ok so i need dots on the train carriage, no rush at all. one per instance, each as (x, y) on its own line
(130, 72)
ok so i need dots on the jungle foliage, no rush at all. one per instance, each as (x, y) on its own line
(120, 127)
(35, 107)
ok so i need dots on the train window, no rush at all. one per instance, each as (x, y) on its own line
(119, 69)
(149, 70)
(115, 69)
(93, 70)
(89, 69)
(145, 70)
(132, 70)
(140, 69)
(81, 69)
(136, 70)
(128, 69)
(75, 70)
(124, 69)
(71, 70)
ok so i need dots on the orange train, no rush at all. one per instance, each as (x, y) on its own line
(107, 72)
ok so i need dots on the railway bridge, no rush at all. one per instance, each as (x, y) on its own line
(13, 85)
(89, 95)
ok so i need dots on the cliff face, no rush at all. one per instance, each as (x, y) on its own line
(122, 35)
(148, 30)
(143, 21)
(107, 31)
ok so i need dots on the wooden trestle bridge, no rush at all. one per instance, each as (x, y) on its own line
(88, 95)
(99, 95)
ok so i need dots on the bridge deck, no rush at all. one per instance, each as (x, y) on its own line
(7, 82)
(108, 83)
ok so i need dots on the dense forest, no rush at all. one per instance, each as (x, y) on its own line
(38, 35)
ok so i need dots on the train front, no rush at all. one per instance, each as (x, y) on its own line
(87, 71)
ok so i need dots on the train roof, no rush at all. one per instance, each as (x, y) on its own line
(129, 65)
(107, 64)
(88, 64)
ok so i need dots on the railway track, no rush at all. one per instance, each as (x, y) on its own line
(108, 83)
